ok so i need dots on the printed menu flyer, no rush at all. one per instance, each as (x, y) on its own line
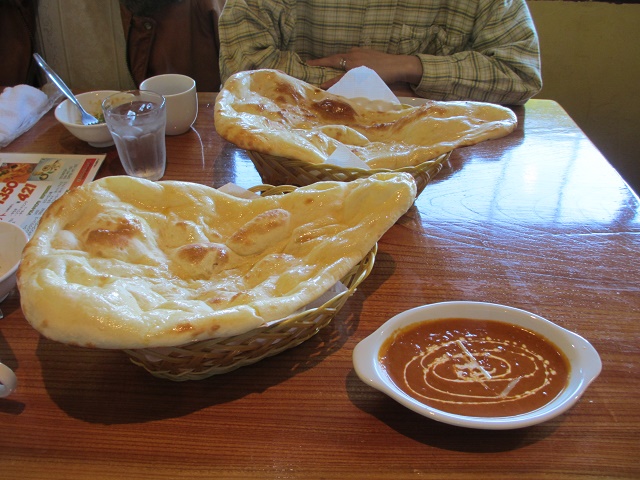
(30, 182)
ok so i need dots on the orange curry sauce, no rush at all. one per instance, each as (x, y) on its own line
(480, 368)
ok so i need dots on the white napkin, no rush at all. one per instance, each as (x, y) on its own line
(365, 83)
(20, 108)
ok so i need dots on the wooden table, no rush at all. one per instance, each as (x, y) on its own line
(538, 220)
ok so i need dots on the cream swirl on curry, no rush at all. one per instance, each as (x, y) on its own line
(475, 367)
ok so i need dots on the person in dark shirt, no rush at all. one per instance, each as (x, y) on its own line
(173, 36)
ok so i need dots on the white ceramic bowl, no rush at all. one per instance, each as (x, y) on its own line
(69, 115)
(13, 240)
(585, 364)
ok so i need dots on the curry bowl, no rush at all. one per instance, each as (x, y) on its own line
(481, 369)
(67, 114)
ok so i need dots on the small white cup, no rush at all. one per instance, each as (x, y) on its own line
(182, 100)
(8, 381)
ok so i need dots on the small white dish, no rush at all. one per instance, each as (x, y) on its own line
(181, 100)
(67, 114)
(13, 240)
(585, 363)
(8, 381)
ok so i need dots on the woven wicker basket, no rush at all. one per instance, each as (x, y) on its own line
(203, 359)
(284, 171)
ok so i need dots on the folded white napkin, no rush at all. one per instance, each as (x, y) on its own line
(364, 82)
(20, 108)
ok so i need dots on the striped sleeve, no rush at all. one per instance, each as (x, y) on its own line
(500, 65)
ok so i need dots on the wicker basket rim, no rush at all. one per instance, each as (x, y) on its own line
(432, 162)
(368, 260)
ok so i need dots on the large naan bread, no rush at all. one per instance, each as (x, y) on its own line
(270, 112)
(128, 263)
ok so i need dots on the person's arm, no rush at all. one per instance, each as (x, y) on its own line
(255, 34)
(500, 63)
(392, 69)
(502, 66)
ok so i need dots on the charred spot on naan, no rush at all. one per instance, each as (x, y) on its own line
(117, 233)
(199, 261)
(121, 236)
(183, 327)
(220, 299)
(285, 92)
(193, 331)
(334, 110)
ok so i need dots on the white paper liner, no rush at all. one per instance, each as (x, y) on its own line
(343, 157)
(237, 191)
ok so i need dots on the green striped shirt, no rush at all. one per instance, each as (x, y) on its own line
(485, 50)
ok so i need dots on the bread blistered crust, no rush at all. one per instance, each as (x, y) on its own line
(270, 112)
(127, 263)
(259, 232)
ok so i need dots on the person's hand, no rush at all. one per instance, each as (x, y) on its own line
(390, 68)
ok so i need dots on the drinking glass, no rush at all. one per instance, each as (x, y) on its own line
(137, 120)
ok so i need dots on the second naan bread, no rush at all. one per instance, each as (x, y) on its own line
(270, 112)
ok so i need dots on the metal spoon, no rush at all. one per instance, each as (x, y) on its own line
(87, 119)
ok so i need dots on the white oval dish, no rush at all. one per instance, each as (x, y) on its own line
(585, 363)
(67, 114)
